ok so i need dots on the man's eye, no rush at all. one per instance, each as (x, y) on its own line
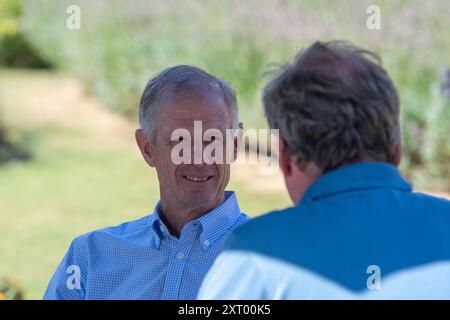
(213, 138)
(175, 140)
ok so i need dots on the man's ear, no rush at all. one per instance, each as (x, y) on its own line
(284, 158)
(145, 146)
(398, 149)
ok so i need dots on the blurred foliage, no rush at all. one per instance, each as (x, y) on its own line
(15, 49)
(437, 146)
(12, 146)
(121, 44)
(10, 290)
(10, 12)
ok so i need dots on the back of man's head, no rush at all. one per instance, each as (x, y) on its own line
(335, 105)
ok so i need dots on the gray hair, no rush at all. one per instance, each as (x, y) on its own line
(334, 105)
(172, 80)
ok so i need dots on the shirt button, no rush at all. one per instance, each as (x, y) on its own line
(163, 229)
(206, 243)
(180, 255)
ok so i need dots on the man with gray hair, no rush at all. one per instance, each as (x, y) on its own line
(166, 254)
(357, 230)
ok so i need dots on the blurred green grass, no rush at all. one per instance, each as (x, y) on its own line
(80, 179)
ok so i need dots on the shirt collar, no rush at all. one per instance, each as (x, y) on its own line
(363, 175)
(159, 228)
(214, 224)
(218, 221)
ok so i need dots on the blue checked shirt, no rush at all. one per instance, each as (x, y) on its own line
(141, 260)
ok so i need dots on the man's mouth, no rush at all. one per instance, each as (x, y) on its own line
(197, 179)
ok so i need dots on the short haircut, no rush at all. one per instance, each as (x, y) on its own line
(174, 79)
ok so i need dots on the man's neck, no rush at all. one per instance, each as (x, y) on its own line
(176, 217)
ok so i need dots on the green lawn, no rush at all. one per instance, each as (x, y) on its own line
(86, 173)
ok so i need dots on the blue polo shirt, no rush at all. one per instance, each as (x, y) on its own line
(359, 232)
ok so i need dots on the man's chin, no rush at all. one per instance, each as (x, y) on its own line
(201, 200)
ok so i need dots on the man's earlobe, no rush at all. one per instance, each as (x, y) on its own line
(398, 152)
(145, 146)
(284, 158)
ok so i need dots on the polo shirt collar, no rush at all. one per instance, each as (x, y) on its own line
(359, 176)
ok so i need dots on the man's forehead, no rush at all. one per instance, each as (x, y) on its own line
(190, 124)
(182, 115)
(188, 102)
(184, 110)
(199, 112)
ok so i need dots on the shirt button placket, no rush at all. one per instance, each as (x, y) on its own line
(180, 255)
(176, 266)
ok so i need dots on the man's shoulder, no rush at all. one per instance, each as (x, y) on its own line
(257, 232)
(242, 219)
(431, 211)
(128, 230)
(278, 231)
(441, 204)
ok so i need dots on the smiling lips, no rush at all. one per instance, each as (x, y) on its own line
(197, 179)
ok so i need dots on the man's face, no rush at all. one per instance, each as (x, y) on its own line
(187, 185)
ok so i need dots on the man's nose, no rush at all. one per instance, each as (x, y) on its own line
(197, 155)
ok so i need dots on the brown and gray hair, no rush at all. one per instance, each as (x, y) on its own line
(334, 105)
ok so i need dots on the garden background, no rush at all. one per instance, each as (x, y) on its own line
(69, 101)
